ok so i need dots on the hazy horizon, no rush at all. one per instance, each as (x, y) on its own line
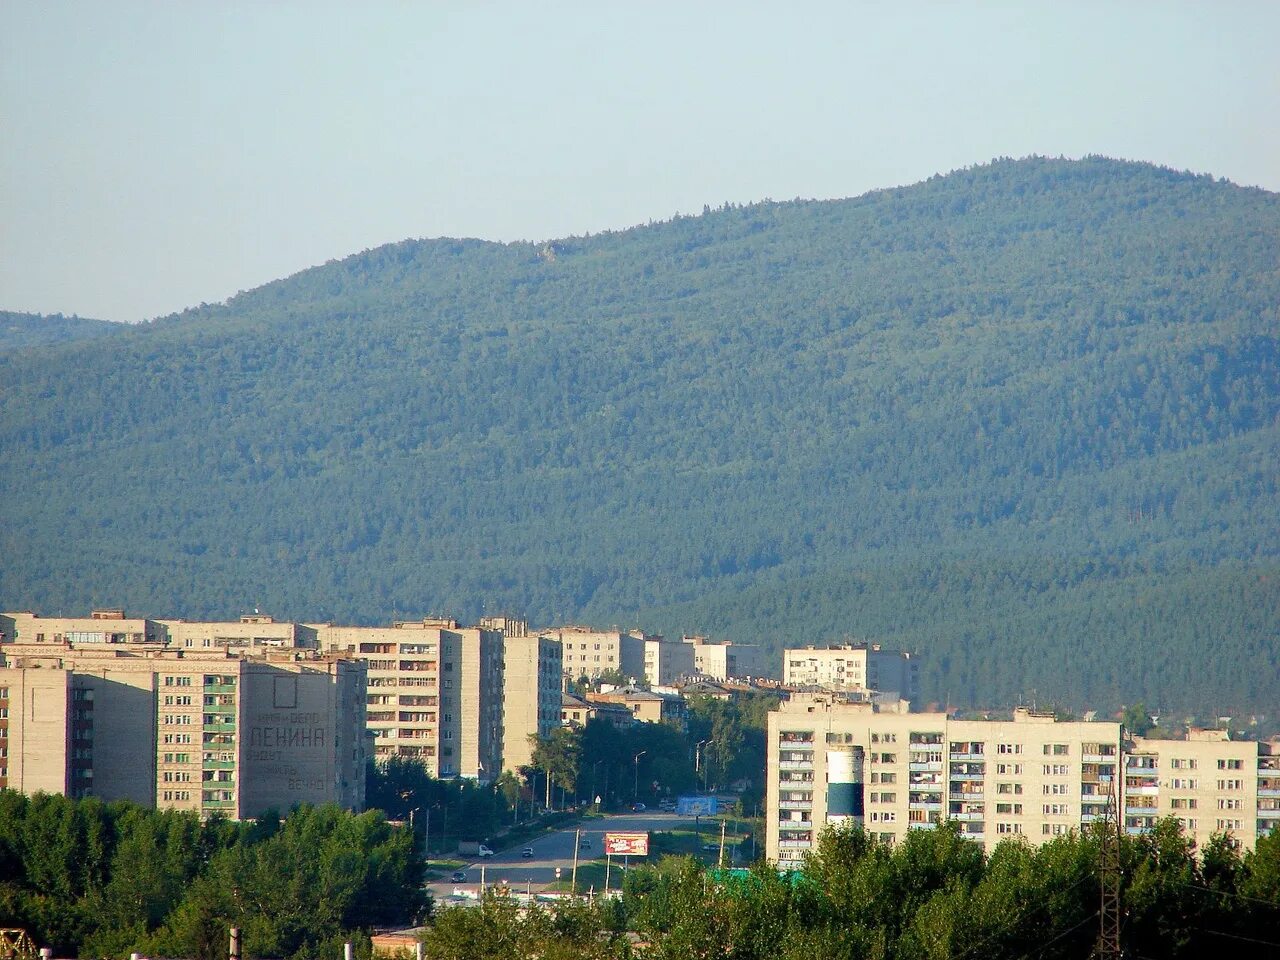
(160, 157)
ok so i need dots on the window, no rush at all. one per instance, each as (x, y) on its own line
(1055, 789)
(1007, 789)
(1230, 804)
(1008, 828)
(1009, 748)
(1055, 770)
(1055, 750)
(1182, 803)
(1009, 808)
(1055, 809)
(1010, 768)
(1229, 784)
(1181, 763)
(1229, 764)
(1054, 829)
(1181, 783)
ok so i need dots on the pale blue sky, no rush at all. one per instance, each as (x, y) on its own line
(156, 155)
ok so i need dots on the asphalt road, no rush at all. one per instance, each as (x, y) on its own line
(554, 850)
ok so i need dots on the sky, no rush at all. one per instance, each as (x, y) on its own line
(154, 156)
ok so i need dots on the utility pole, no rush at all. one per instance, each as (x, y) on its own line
(1109, 878)
(720, 861)
(573, 879)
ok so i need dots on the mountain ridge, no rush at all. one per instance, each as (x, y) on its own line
(1075, 360)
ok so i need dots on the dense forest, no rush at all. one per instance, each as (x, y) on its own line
(1021, 418)
(106, 880)
(97, 880)
(19, 331)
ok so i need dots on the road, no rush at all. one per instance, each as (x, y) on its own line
(554, 850)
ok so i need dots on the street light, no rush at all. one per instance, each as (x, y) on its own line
(635, 792)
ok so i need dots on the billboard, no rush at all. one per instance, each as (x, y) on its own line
(627, 844)
(696, 806)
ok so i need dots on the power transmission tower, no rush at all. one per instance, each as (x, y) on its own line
(1109, 877)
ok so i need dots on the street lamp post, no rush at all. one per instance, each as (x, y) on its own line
(635, 791)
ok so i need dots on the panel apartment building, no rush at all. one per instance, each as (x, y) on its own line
(852, 667)
(724, 659)
(204, 731)
(1034, 777)
(436, 691)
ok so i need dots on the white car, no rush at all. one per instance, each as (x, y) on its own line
(484, 851)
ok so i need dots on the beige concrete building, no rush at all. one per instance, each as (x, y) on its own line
(1210, 783)
(723, 659)
(662, 662)
(1031, 777)
(205, 731)
(853, 667)
(645, 706)
(533, 679)
(831, 760)
(434, 692)
(588, 653)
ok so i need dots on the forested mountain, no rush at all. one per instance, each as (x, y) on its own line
(21, 330)
(1022, 418)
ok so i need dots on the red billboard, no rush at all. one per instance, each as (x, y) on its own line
(627, 844)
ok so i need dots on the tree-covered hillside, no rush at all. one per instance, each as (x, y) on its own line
(1022, 418)
(21, 330)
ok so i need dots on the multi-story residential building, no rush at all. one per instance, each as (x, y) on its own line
(533, 681)
(1209, 782)
(205, 731)
(894, 770)
(434, 692)
(723, 659)
(853, 667)
(589, 653)
(1032, 776)
(107, 625)
(663, 662)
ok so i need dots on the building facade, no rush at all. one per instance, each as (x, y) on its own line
(533, 681)
(205, 731)
(853, 667)
(724, 660)
(1032, 777)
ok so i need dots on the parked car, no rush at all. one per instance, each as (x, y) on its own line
(483, 851)
(637, 807)
(666, 805)
(527, 852)
(458, 877)
(585, 843)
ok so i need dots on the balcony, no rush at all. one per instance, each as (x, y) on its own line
(963, 755)
(967, 776)
(1269, 791)
(967, 795)
(218, 765)
(967, 817)
(795, 764)
(931, 766)
(1134, 810)
(1151, 790)
(925, 805)
(219, 728)
(1099, 758)
(218, 688)
(795, 824)
(219, 708)
(795, 805)
(795, 844)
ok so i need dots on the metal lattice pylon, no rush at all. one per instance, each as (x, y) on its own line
(1109, 877)
(16, 945)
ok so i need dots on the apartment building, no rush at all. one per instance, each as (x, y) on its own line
(577, 712)
(893, 770)
(205, 731)
(434, 692)
(533, 681)
(723, 659)
(589, 653)
(663, 662)
(853, 667)
(646, 706)
(1210, 783)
